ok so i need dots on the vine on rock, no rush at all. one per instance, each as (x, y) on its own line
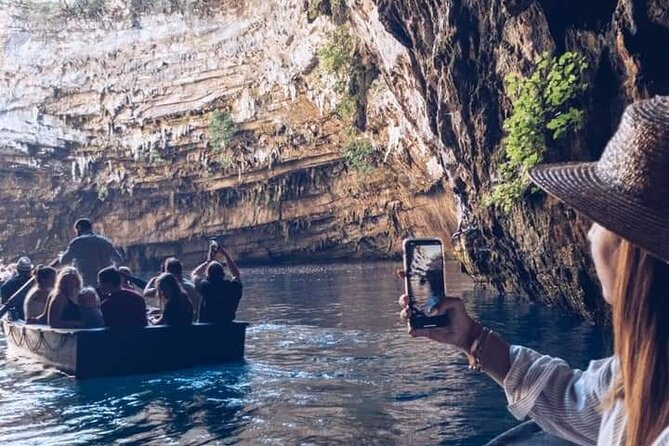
(545, 109)
(222, 128)
(338, 58)
(360, 154)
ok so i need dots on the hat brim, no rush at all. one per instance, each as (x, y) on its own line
(579, 186)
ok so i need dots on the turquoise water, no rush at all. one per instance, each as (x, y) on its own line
(327, 362)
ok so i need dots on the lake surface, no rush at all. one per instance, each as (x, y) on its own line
(327, 363)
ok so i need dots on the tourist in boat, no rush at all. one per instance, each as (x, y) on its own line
(6, 272)
(623, 399)
(90, 308)
(121, 308)
(174, 266)
(23, 274)
(38, 296)
(220, 292)
(89, 252)
(127, 280)
(63, 308)
(177, 308)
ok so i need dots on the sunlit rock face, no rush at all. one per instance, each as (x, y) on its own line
(106, 111)
(455, 56)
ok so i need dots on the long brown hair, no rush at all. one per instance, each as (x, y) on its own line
(61, 281)
(641, 330)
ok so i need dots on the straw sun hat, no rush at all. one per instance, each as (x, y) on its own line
(627, 190)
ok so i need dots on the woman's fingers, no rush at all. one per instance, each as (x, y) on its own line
(405, 314)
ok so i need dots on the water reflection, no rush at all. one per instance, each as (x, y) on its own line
(328, 362)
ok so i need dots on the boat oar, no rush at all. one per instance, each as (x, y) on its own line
(5, 308)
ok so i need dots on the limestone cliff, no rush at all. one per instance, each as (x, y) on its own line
(119, 111)
(172, 121)
(454, 56)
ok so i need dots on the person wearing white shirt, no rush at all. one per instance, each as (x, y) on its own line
(622, 400)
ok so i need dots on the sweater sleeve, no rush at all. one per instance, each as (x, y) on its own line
(563, 401)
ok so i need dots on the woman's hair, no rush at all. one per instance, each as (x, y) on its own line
(66, 276)
(640, 325)
(168, 286)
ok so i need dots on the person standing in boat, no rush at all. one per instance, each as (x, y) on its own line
(63, 309)
(89, 252)
(177, 307)
(38, 296)
(23, 274)
(623, 399)
(121, 308)
(220, 292)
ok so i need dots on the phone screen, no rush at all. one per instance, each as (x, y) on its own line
(424, 264)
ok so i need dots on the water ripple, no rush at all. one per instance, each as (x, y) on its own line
(328, 363)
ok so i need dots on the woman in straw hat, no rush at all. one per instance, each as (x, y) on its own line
(624, 399)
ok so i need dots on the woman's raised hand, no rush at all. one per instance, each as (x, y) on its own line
(461, 330)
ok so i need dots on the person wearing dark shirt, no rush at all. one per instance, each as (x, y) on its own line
(121, 308)
(89, 252)
(178, 311)
(220, 291)
(23, 274)
(174, 266)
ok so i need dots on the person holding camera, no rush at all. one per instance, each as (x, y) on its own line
(623, 399)
(219, 283)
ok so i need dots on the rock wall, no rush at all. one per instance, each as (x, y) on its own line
(455, 55)
(106, 111)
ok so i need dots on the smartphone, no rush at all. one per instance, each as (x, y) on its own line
(424, 281)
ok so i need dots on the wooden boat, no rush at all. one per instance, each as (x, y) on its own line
(91, 353)
(527, 434)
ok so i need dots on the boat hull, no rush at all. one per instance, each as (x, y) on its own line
(104, 352)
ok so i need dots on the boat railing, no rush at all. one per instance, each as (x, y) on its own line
(17, 333)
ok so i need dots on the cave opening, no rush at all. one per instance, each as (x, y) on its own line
(592, 15)
(606, 107)
(648, 44)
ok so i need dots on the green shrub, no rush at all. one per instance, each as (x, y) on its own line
(222, 128)
(103, 193)
(314, 10)
(360, 154)
(347, 107)
(336, 56)
(544, 110)
(154, 157)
